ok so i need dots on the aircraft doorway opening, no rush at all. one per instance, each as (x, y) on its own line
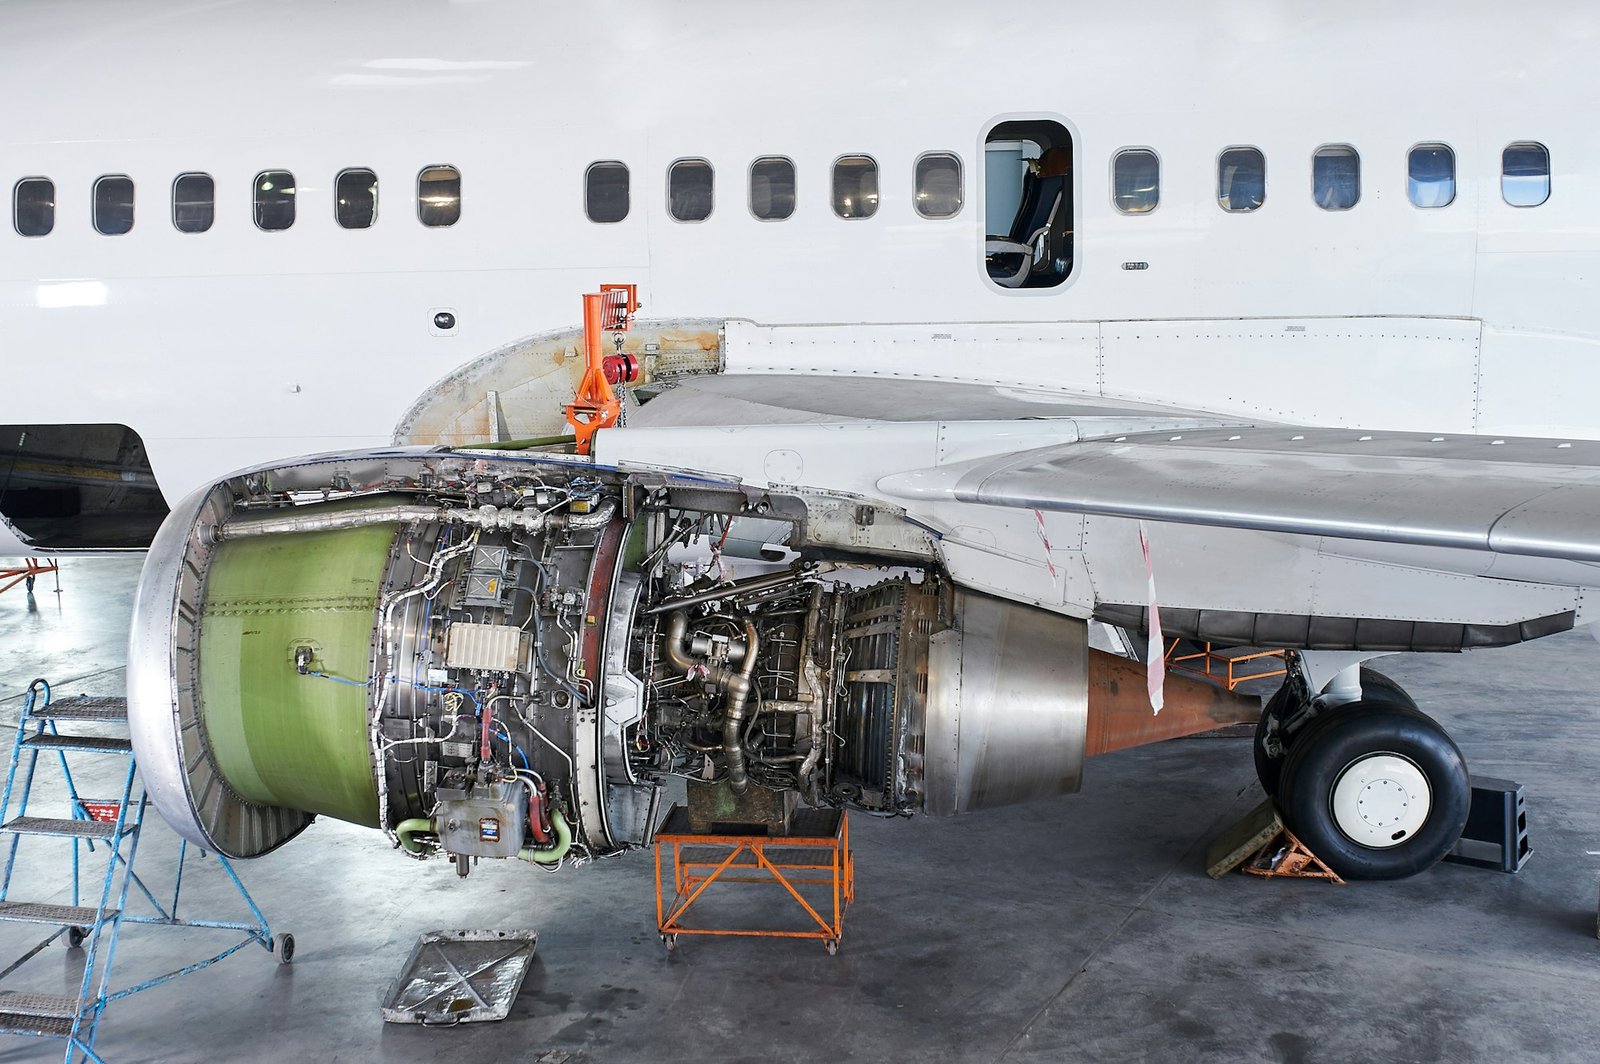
(79, 486)
(1028, 205)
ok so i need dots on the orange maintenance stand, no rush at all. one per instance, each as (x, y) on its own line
(32, 569)
(596, 405)
(813, 859)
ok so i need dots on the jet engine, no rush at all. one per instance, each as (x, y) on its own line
(508, 655)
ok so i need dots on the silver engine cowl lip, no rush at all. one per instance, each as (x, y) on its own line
(163, 705)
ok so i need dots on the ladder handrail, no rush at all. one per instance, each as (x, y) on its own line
(28, 701)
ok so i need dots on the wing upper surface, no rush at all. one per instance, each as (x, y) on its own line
(1510, 496)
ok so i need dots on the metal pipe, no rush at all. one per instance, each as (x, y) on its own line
(677, 655)
(739, 686)
(483, 517)
(813, 675)
(742, 587)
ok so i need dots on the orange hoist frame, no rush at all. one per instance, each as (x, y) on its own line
(596, 405)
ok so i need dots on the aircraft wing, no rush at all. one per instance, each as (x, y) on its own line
(1509, 496)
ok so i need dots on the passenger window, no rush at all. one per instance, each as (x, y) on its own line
(1525, 174)
(938, 177)
(1136, 181)
(1336, 177)
(355, 198)
(1431, 175)
(33, 210)
(193, 203)
(274, 196)
(605, 192)
(113, 204)
(772, 188)
(689, 190)
(855, 187)
(1241, 179)
(1028, 204)
(438, 196)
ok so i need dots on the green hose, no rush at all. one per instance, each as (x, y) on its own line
(415, 826)
(556, 850)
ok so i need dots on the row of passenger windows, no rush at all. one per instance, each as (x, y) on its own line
(1335, 177)
(273, 195)
(691, 189)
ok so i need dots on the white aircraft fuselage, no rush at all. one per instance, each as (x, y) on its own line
(235, 346)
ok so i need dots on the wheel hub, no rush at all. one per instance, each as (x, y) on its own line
(1381, 800)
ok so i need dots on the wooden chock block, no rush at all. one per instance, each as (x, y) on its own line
(1243, 840)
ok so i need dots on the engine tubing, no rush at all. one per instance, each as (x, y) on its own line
(1375, 686)
(1336, 742)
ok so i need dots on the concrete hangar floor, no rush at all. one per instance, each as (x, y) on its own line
(1081, 928)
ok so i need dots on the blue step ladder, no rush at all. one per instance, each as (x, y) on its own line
(115, 824)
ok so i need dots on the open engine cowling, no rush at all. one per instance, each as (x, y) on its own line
(498, 655)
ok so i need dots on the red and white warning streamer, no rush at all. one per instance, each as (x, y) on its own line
(1155, 651)
(1038, 526)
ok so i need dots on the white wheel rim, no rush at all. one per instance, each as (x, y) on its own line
(1381, 800)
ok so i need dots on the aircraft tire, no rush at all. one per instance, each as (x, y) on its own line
(1377, 790)
(1375, 686)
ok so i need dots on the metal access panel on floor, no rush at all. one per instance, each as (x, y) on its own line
(812, 863)
(106, 828)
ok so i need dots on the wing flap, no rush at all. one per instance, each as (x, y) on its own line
(1527, 497)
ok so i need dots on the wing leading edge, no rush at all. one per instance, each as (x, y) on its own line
(1534, 497)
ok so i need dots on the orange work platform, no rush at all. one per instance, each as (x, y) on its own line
(1230, 665)
(813, 864)
(27, 573)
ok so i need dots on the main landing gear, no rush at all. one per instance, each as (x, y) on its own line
(1374, 787)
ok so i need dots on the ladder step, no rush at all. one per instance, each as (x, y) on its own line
(85, 708)
(42, 1026)
(39, 913)
(71, 829)
(99, 744)
(27, 1003)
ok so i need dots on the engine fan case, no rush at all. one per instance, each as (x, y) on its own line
(279, 737)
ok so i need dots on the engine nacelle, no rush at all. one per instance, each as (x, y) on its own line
(496, 655)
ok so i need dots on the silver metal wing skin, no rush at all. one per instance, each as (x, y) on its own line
(1536, 497)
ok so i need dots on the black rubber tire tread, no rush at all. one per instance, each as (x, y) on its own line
(1375, 686)
(1331, 743)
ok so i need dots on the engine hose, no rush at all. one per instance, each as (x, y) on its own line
(553, 853)
(538, 822)
(415, 826)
